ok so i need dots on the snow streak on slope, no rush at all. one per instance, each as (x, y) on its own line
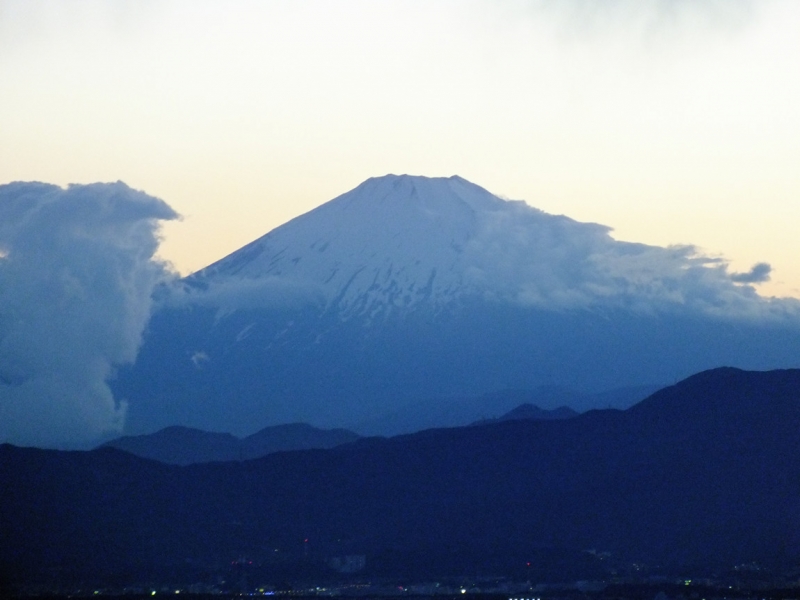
(399, 241)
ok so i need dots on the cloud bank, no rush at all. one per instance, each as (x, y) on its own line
(396, 241)
(553, 262)
(77, 270)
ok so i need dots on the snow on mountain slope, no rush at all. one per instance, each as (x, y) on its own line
(392, 241)
(397, 241)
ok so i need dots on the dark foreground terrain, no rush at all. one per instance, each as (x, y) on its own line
(702, 478)
(577, 591)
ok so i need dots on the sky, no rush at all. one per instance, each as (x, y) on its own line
(672, 122)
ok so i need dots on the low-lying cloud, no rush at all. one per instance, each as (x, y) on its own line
(556, 263)
(77, 270)
(231, 294)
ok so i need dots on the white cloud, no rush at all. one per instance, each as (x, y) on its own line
(553, 262)
(76, 277)
(228, 295)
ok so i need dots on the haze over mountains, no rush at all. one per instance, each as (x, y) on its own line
(412, 292)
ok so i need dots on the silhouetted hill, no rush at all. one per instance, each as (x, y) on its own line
(184, 445)
(702, 475)
(529, 411)
(460, 411)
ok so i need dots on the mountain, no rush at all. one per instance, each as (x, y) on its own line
(185, 446)
(392, 243)
(424, 291)
(530, 411)
(699, 478)
(457, 412)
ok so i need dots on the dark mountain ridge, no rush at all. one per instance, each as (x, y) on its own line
(702, 475)
(184, 446)
(531, 411)
(433, 413)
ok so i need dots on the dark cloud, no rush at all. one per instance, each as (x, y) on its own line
(76, 277)
(759, 273)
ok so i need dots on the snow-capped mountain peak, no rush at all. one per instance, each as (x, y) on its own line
(396, 242)
(392, 241)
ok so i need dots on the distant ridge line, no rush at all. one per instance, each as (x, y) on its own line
(180, 445)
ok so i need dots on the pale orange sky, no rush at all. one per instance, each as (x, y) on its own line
(674, 122)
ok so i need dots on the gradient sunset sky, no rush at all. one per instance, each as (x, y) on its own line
(674, 122)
